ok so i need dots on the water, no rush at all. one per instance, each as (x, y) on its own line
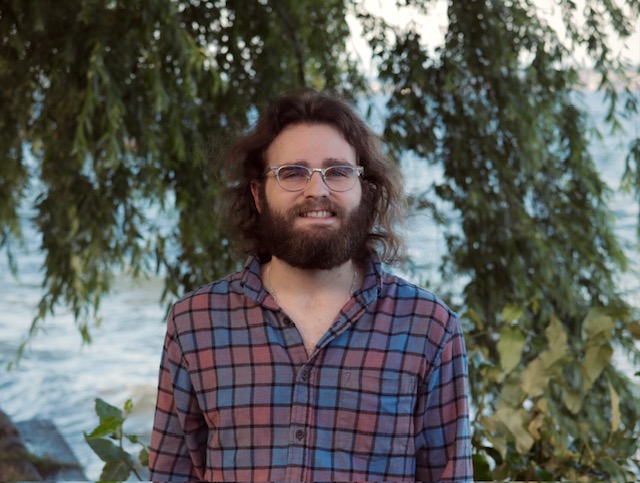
(59, 377)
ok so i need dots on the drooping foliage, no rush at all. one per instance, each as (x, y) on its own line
(497, 108)
(112, 107)
(116, 102)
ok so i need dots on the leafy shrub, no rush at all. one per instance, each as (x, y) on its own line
(108, 439)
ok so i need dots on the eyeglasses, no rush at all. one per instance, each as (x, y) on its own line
(293, 177)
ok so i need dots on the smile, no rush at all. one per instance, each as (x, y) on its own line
(317, 214)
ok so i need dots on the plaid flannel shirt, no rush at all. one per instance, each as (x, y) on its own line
(382, 397)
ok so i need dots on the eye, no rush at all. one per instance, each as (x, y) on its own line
(340, 172)
(293, 172)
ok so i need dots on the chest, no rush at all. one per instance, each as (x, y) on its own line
(313, 320)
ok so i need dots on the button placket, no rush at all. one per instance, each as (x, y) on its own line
(304, 374)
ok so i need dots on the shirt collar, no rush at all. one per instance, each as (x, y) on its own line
(256, 290)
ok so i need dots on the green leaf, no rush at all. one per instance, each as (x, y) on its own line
(107, 427)
(133, 438)
(558, 347)
(597, 326)
(514, 420)
(143, 457)
(108, 412)
(128, 406)
(511, 313)
(510, 345)
(106, 450)
(481, 468)
(595, 360)
(535, 378)
(115, 471)
(572, 400)
(615, 409)
(512, 392)
(613, 468)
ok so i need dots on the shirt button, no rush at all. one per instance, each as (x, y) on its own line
(304, 375)
(287, 321)
(300, 435)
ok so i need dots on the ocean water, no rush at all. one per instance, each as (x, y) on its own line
(59, 377)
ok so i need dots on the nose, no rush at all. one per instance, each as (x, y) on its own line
(316, 187)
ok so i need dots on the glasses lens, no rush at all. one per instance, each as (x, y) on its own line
(293, 177)
(341, 178)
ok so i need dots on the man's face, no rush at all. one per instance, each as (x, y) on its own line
(315, 228)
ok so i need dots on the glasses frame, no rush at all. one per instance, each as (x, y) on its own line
(323, 171)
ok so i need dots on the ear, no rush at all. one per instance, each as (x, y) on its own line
(255, 191)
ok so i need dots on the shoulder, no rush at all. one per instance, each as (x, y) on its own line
(410, 300)
(206, 306)
(410, 294)
(204, 296)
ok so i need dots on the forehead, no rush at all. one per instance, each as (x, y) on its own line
(312, 144)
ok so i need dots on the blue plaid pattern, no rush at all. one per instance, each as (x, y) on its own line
(382, 397)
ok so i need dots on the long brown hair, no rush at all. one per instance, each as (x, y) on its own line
(382, 179)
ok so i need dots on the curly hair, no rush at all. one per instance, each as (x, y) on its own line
(245, 162)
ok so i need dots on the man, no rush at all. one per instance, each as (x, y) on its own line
(312, 363)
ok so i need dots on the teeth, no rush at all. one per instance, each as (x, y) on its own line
(316, 214)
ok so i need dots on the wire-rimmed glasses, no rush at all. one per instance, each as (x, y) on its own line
(294, 177)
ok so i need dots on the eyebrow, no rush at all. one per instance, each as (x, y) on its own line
(325, 162)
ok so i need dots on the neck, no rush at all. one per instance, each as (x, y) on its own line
(285, 281)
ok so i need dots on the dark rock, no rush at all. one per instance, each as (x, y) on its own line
(35, 451)
(15, 461)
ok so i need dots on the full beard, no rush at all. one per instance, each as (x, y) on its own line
(315, 248)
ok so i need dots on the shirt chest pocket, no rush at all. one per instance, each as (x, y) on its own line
(375, 413)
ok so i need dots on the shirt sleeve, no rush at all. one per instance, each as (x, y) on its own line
(444, 439)
(178, 440)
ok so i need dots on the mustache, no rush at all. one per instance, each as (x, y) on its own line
(315, 205)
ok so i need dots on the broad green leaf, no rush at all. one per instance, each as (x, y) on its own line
(492, 373)
(512, 392)
(511, 313)
(106, 450)
(634, 328)
(510, 345)
(572, 400)
(543, 405)
(106, 411)
(535, 378)
(108, 426)
(596, 359)
(534, 426)
(597, 326)
(115, 471)
(515, 421)
(143, 457)
(481, 468)
(557, 339)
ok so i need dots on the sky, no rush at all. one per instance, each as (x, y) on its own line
(434, 25)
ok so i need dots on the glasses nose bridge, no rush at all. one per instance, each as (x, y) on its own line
(316, 170)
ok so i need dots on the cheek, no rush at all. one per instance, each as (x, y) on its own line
(356, 196)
